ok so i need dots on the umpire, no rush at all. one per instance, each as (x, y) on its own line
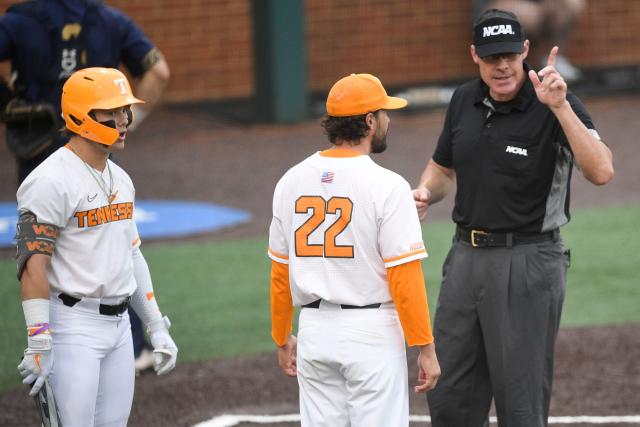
(510, 139)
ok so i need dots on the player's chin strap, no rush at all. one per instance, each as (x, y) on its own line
(144, 303)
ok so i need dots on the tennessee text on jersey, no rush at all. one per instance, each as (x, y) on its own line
(105, 214)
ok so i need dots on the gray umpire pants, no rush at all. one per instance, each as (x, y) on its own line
(495, 328)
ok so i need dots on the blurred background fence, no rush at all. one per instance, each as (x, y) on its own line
(209, 44)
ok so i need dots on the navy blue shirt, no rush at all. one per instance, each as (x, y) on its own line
(34, 45)
(512, 160)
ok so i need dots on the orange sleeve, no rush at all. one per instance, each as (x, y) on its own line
(281, 303)
(409, 293)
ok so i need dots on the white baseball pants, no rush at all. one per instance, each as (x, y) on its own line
(352, 367)
(93, 374)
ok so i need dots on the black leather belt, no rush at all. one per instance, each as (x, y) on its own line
(107, 310)
(486, 239)
(316, 304)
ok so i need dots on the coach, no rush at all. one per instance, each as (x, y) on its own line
(510, 139)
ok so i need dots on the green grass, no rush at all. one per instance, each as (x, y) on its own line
(604, 278)
(217, 293)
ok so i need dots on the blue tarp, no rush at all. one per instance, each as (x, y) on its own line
(155, 219)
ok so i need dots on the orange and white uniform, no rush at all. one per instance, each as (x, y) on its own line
(83, 218)
(93, 262)
(64, 193)
(345, 231)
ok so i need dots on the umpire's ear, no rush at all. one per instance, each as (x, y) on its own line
(525, 51)
(474, 55)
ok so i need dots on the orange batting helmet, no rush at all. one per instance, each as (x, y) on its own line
(95, 89)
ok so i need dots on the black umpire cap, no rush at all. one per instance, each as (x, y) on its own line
(497, 31)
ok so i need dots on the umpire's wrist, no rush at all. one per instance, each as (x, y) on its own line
(565, 106)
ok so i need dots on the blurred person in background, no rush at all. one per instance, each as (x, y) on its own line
(46, 41)
(547, 23)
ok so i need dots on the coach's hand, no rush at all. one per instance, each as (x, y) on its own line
(37, 362)
(165, 351)
(287, 356)
(551, 89)
(428, 369)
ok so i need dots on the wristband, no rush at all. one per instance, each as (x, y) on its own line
(38, 328)
(36, 311)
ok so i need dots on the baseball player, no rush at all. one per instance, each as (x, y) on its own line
(79, 261)
(346, 246)
(46, 41)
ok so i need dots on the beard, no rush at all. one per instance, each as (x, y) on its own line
(378, 143)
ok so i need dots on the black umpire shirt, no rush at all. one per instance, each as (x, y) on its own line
(512, 160)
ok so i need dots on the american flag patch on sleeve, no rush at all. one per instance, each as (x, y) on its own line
(327, 177)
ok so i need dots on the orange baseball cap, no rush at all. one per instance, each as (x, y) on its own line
(359, 94)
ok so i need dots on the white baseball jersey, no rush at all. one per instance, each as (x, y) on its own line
(339, 222)
(93, 255)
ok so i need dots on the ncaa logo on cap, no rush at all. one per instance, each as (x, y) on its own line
(495, 30)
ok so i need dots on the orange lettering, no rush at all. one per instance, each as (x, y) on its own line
(100, 215)
(47, 230)
(331, 249)
(114, 212)
(91, 218)
(122, 209)
(107, 213)
(81, 216)
(129, 210)
(39, 246)
(319, 207)
(316, 205)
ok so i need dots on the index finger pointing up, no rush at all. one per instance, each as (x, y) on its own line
(551, 60)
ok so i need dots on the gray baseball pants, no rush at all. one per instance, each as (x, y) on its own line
(495, 328)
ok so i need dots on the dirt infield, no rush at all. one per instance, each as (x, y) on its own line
(194, 155)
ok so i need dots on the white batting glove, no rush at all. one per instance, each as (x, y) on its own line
(37, 362)
(165, 351)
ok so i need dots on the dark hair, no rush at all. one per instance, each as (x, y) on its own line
(350, 128)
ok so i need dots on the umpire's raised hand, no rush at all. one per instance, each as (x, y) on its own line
(550, 86)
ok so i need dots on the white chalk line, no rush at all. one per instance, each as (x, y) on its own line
(234, 420)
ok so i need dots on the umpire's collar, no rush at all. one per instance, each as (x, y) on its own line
(520, 102)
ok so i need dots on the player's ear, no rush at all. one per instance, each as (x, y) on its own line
(370, 119)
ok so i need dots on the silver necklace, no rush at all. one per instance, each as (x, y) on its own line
(109, 194)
